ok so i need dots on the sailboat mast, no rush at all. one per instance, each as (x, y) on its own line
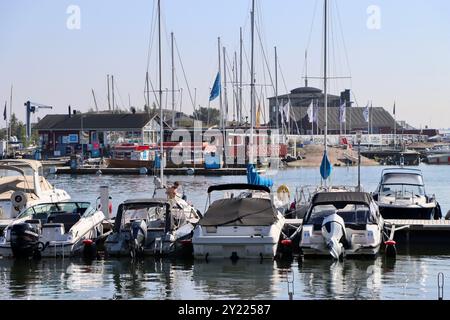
(220, 94)
(325, 66)
(252, 83)
(240, 77)
(225, 92)
(277, 108)
(160, 97)
(173, 83)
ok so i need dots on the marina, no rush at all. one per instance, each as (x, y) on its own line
(252, 188)
(412, 275)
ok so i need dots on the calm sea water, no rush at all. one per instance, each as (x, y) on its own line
(413, 275)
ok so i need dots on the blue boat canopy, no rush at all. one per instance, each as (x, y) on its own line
(254, 178)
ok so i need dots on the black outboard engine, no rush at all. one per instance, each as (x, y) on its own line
(138, 237)
(24, 240)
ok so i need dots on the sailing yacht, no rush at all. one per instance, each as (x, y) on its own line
(155, 226)
(339, 221)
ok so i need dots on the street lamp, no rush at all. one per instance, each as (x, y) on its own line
(82, 140)
(358, 140)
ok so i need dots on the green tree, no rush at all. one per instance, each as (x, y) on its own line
(202, 115)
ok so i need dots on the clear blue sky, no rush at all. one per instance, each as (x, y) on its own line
(407, 60)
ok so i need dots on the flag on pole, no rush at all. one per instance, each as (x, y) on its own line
(258, 116)
(215, 91)
(280, 108)
(287, 111)
(393, 111)
(311, 112)
(325, 166)
(4, 113)
(342, 112)
(316, 112)
(366, 113)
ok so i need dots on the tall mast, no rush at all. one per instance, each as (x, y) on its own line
(109, 99)
(235, 80)
(147, 84)
(220, 93)
(240, 78)
(325, 67)
(112, 91)
(252, 83)
(160, 97)
(225, 97)
(173, 83)
(9, 124)
(277, 108)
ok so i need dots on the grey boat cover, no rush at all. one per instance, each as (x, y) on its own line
(240, 212)
(342, 197)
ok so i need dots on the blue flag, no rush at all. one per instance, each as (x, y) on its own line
(215, 91)
(325, 167)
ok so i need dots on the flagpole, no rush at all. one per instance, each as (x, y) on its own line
(325, 67)
(9, 123)
(395, 128)
(252, 82)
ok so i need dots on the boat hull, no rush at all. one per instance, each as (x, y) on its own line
(228, 243)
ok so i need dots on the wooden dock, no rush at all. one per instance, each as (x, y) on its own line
(416, 232)
(167, 171)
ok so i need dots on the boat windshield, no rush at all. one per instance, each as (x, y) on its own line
(402, 191)
(44, 210)
(350, 213)
(137, 211)
(402, 178)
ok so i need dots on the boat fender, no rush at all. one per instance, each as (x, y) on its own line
(19, 199)
(283, 192)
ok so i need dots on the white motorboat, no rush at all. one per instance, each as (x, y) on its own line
(245, 225)
(23, 185)
(342, 224)
(57, 229)
(401, 195)
(154, 226)
(438, 158)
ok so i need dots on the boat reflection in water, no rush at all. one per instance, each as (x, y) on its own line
(244, 279)
(351, 279)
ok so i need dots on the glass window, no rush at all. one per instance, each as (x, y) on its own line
(142, 212)
(351, 213)
(402, 191)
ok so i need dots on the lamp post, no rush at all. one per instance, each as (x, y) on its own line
(358, 140)
(82, 141)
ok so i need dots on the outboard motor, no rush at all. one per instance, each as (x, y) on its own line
(138, 237)
(333, 231)
(24, 240)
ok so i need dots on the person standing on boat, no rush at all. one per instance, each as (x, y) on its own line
(172, 191)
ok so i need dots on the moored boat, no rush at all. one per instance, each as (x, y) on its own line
(57, 229)
(242, 225)
(342, 224)
(401, 195)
